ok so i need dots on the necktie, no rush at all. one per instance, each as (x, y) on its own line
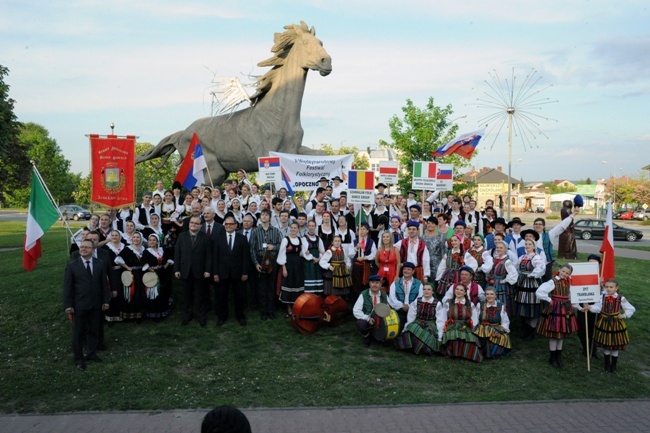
(90, 272)
(209, 229)
(193, 239)
(230, 241)
(374, 300)
(246, 234)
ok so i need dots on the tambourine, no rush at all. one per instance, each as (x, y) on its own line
(150, 279)
(127, 278)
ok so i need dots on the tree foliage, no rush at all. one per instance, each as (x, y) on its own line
(14, 162)
(361, 162)
(146, 174)
(628, 191)
(418, 134)
(558, 189)
(53, 166)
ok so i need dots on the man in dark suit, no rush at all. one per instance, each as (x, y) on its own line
(85, 295)
(196, 211)
(231, 271)
(193, 264)
(252, 295)
(214, 230)
(104, 256)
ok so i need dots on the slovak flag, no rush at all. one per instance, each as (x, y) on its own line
(443, 174)
(607, 269)
(188, 170)
(463, 145)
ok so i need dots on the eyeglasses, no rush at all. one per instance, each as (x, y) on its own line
(229, 224)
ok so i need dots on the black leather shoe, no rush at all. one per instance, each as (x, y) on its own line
(93, 358)
(220, 322)
(101, 347)
(242, 321)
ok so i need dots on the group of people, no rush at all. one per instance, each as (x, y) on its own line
(453, 275)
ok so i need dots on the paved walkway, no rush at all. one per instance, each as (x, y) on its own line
(538, 417)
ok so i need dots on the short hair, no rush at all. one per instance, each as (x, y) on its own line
(265, 211)
(541, 220)
(320, 190)
(276, 200)
(225, 419)
(208, 209)
(88, 240)
(284, 211)
(230, 217)
(302, 214)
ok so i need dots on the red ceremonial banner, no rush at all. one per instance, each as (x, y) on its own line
(113, 169)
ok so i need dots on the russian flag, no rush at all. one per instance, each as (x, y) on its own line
(361, 180)
(444, 174)
(186, 172)
(463, 145)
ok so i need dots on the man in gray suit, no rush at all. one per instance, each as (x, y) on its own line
(85, 296)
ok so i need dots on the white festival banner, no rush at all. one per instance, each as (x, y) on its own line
(303, 171)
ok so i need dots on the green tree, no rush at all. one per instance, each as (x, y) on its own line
(48, 158)
(146, 174)
(418, 134)
(361, 162)
(83, 191)
(14, 162)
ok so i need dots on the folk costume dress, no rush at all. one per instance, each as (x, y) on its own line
(361, 269)
(448, 272)
(458, 319)
(338, 281)
(479, 255)
(113, 314)
(611, 332)
(167, 215)
(387, 266)
(421, 334)
(290, 255)
(312, 247)
(327, 236)
(501, 275)
(557, 319)
(133, 296)
(493, 329)
(158, 298)
(531, 269)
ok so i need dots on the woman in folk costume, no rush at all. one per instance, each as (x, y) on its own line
(436, 246)
(557, 320)
(421, 334)
(114, 246)
(312, 251)
(235, 211)
(448, 272)
(326, 230)
(293, 268)
(611, 331)
(501, 273)
(131, 259)
(347, 235)
(365, 252)
(157, 303)
(531, 268)
(336, 263)
(493, 326)
(480, 254)
(457, 319)
(168, 213)
(387, 260)
(220, 211)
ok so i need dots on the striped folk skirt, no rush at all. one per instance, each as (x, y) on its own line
(611, 332)
(293, 285)
(527, 304)
(460, 342)
(313, 278)
(421, 338)
(495, 342)
(557, 319)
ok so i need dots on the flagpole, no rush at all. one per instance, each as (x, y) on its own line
(49, 194)
(209, 175)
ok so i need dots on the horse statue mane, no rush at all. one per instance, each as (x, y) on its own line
(271, 123)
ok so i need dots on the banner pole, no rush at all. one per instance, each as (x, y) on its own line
(587, 341)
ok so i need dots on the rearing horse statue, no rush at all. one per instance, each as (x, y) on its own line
(271, 123)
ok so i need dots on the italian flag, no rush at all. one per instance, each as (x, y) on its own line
(424, 169)
(40, 217)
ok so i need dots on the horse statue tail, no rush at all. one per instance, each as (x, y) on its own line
(163, 149)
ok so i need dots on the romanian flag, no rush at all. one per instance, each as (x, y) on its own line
(424, 170)
(444, 174)
(361, 180)
(270, 161)
(463, 145)
(185, 173)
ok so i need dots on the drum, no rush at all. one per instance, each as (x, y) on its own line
(127, 278)
(150, 279)
(387, 328)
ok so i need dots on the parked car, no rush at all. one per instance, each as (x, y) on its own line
(595, 229)
(627, 215)
(641, 214)
(75, 212)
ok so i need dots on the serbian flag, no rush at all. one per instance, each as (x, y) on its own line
(186, 173)
(269, 162)
(607, 248)
(425, 169)
(463, 145)
(40, 217)
(199, 165)
(361, 180)
(444, 174)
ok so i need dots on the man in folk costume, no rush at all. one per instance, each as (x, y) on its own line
(475, 292)
(143, 212)
(459, 230)
(366, 250)
(498, 226)
(472, 216)
(413, 249)
(415, 214)
(338, 186)
(381, 189)
(456, 212)
(365, 305)
(318, 194)
(514, 240)
(489, 216)
(404, 290)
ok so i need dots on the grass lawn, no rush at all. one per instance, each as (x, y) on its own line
(160, 366)
(634, 247)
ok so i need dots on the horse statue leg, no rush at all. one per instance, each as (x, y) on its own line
(304, 150)
(163, 149)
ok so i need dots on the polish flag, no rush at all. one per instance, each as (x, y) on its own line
(607, 270)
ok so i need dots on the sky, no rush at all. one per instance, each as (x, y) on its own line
(147, 66)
